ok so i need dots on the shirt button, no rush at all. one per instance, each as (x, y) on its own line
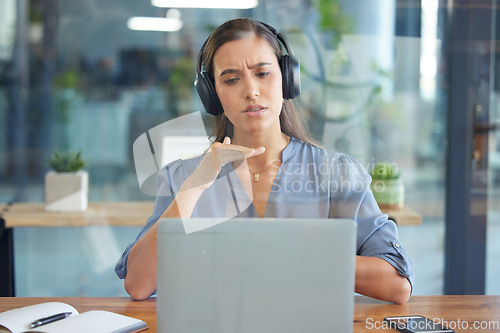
(396, 244)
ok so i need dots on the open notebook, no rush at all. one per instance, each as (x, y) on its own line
(96, 321)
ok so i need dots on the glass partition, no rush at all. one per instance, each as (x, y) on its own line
(81, 75)
(492, 212)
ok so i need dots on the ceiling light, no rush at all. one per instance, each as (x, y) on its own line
(226, 4)
(154, 24)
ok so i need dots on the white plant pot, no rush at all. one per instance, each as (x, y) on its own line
(66, 192)
(389, 193)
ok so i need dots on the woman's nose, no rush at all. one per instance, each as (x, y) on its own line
(251, 89)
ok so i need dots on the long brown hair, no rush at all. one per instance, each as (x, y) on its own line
(291, 124)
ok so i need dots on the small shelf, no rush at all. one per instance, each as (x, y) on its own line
(132, 213)
(403, 216)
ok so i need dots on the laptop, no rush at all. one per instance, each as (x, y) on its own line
(256, 275)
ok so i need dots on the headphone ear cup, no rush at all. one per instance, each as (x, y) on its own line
(290, 72)
(208, 94)
(283, 62)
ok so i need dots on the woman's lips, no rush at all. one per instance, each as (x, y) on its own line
(254, 110)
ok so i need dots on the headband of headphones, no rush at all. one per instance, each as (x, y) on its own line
(290, 73)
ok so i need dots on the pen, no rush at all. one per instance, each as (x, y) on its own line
(50, 319)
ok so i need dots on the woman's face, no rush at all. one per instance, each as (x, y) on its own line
(249, 85)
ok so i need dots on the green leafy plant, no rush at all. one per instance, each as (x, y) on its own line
(67, 161)
(385, 170)
(333, 18)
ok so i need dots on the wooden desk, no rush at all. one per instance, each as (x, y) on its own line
(461, 311)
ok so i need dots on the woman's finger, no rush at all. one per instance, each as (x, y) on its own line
(249, 152)
(259, 151)
(226, 152)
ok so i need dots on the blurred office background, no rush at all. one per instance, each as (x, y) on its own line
(79, 75)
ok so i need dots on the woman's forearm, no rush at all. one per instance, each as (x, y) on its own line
(140, 281)
(377, 278)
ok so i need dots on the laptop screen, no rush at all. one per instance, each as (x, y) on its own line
(257, 275)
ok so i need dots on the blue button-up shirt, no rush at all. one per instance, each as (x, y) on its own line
(311, 182)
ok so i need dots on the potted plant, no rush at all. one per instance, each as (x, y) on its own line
(66, 186)
(387, 186)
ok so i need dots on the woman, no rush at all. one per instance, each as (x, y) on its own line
(262, 151)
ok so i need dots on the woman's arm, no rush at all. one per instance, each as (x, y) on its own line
(377, 278)
(383, 269)
(140, 281)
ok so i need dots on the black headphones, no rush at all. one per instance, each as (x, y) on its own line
(290, 72)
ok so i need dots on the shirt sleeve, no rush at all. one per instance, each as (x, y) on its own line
(166, 187)
(377, 236)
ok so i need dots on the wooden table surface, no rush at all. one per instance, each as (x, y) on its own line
(130, 213)
(465, 313)
(404, 216)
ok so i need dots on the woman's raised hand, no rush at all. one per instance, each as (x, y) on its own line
(214, 159)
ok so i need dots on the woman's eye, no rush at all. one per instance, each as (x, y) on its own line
(230, 81)
(263, 74)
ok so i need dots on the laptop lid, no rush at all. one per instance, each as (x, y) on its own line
(256, 275)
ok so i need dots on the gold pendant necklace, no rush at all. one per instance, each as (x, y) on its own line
(256, 175)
